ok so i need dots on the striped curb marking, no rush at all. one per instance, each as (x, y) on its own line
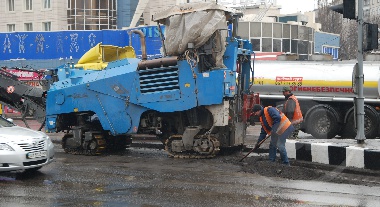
(334, 154)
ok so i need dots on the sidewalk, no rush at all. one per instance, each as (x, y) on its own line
(343, 152)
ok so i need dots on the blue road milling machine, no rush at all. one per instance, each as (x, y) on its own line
(195, 99)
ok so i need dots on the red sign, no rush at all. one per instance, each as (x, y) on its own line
(291, 79)
(266, 55)
(24, 75)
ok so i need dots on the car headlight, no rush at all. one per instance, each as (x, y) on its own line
(48, 140)
(4, 146)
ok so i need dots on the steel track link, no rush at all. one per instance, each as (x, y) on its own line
(192, 154)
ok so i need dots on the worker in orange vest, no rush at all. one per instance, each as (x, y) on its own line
(278, 126)
(292, 110)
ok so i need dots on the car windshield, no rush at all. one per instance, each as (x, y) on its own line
(5, 123)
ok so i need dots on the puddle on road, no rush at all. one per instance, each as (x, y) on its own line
(3, 178)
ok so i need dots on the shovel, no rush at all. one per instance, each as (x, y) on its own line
(257, 146)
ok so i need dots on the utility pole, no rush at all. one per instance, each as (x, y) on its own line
(348, 9)
(359, 101)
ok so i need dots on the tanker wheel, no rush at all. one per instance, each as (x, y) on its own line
(322, 124)
(280, 107)
(370, 125)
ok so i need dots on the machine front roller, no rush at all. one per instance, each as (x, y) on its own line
(95, 146)
(204, 146)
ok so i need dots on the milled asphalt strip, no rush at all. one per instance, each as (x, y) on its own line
(318, 151)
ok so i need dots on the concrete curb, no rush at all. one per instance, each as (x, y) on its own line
(334, 154)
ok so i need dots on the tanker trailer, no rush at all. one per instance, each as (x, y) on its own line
(195, 99)
(325, 94)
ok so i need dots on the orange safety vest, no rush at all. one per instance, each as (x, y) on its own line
(284, 123)
(297, 116)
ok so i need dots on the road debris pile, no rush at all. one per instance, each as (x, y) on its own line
(310, 171)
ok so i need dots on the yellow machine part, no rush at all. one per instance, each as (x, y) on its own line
(98, 57)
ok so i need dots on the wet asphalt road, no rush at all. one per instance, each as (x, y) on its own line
(144, 177)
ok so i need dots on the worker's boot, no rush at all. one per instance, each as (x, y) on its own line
(294, 134)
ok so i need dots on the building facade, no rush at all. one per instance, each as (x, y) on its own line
(54, 15)
(125, 12)
(371, 9)
(29, 15)
(278, 37)
(327, 43)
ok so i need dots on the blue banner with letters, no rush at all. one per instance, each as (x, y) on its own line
(73, 43)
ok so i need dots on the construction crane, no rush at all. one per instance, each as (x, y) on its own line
(267, 5)
(139, 11)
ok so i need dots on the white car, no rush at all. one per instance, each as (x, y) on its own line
(23, 149)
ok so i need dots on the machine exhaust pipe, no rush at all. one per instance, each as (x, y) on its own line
(142, 41)
(155, 63)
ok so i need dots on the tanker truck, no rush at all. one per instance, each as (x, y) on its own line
(325, 93)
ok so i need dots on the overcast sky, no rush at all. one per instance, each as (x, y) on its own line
(292, 6)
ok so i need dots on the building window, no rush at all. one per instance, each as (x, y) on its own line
(92, 15)
(11, 27)
(277, 43)
(28, 26)
(256, 46)
(28, 5)
(11, 5)
(47, 4)
(46, 26)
